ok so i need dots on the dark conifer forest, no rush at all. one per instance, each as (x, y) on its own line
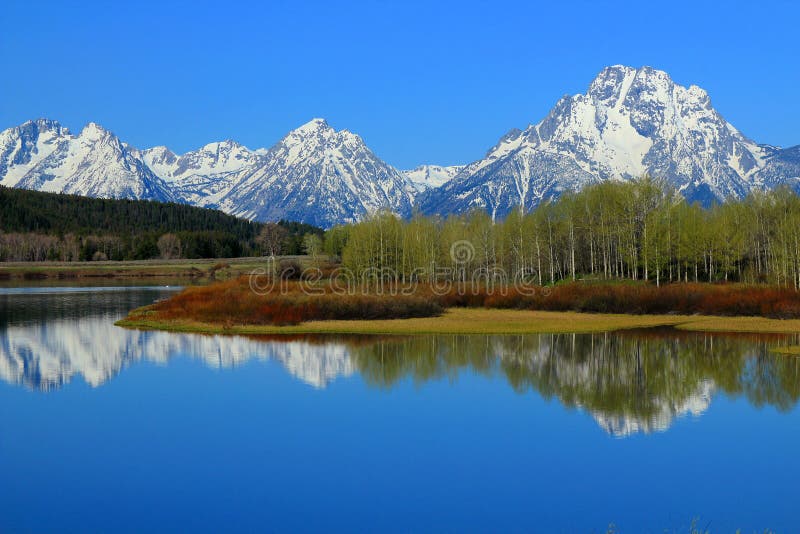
(37, 226)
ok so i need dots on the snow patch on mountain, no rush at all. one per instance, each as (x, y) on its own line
(427, 177)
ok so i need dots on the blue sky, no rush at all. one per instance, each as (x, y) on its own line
(421, 82)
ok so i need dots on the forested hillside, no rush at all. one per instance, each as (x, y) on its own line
(36, 226)
(32, 211)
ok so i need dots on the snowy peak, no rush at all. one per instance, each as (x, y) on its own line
(317, 137)
(95, 132)
(630, 122)
(22, 147)
(312, 126)
(220, 157)
(319, 175)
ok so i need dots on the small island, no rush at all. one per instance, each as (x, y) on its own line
(233, 307)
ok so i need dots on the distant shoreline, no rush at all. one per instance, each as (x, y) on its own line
(222, 268)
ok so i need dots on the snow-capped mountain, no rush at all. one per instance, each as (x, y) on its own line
(201, 176)
(317, 175)
(45, 156)
(629, 123)
(427, 177)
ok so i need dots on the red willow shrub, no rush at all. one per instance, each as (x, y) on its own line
(233, 302)
(704, 299)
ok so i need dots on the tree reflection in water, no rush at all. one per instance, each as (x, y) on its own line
(630, 381)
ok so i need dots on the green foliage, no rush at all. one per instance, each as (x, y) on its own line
(293, 244)
(335, 240)
(638, 230)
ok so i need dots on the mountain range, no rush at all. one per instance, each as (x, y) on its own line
(630, 122)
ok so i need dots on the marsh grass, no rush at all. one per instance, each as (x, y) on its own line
(232, 305)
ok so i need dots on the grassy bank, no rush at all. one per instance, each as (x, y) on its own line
(232, 306)
(475, 321)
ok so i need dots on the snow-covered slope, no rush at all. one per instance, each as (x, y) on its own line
(427, 177)
(630, 122)
(317, 175)
(213, 159)
(782, 167)
(44, 156)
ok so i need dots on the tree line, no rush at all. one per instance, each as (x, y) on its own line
(38, 226)
(637, 230)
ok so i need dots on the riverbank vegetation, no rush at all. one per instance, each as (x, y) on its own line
(266, 302)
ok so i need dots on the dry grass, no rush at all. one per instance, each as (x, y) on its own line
(758, 325)
(791, 350)
(478, 321)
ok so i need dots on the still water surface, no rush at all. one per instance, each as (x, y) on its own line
(107, 429)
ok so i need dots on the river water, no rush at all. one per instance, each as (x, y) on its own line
(108, 429)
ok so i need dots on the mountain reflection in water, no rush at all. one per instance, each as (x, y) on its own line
(635, 381)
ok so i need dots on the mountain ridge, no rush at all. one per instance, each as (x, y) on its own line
(629, 122)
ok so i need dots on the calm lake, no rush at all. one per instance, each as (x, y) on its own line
(107, 429)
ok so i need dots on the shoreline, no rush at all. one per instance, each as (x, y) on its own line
(479, 321)
(201, 268)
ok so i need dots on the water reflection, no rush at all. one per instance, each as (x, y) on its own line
(630, 382)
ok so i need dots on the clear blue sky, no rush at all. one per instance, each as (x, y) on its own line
(422, 82)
